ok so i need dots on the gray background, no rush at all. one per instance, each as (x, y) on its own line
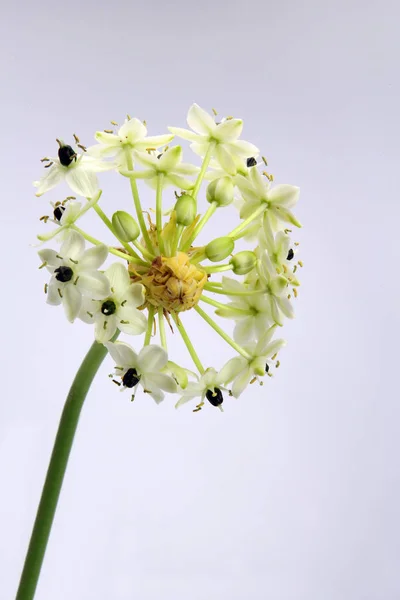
(293, 492)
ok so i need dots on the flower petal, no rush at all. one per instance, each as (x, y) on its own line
(119, 279)
(93, 284)
(50, 257)
(131, 321)
(52, 177)
(152, 359)
(154, 141)
(200, 121)
(134, 295)
(165, 382)
(241, 382)
(73, 246)
(225, 159)
(82, 181)
(243, 148)
(72, 300)
(170, 159)
(105, 327)
(93, 258)
(53, 296)
(284, 195)
(229, 130)
(122, 354)
(231, 369)
(186, 134)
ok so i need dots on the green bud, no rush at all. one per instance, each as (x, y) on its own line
(219, 248)
(185, 209)
(243, 262)
(220, 191)
(125, 227)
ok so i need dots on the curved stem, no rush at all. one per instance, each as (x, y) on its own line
(56, 470)
(150, 321)
(236, 233)
(133, 259)
(225, 307)
(222, 333)
(161, 326)
(188, 343)
(203, 169)
(208, 214)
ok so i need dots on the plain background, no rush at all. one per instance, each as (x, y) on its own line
(293, 492)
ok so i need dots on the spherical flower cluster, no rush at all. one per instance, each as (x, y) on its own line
(160, 273)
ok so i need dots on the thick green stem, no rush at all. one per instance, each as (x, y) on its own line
(56, 470)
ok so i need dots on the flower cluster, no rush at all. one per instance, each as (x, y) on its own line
(159, 271)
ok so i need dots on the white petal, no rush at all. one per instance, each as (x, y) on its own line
(93, 258)
(105, 327)
(133, 131)
(93, 284)
(264, 340)
(154, 141)
(122, 354)
(150, 387)
(53, 297)
(274, 347)
(186, 134)
(134, 323)
(231, 369)
(244, 148)
(200, 147)
(241, 382)
(178, 181)
(286, 307)
(229, 131)
(72, 299)
(225, 159)
(134, 295)
(152, 358)
(72, 246)
(200, 121)
(284, 195)
(82, 181)
(285, 215)
(50, 257)
(170, 159)
(165, 382)
(52, 177)
(88, 309)
(106, 139)
(119, 279)
(244, 331)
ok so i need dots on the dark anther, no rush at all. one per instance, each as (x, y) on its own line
(266, 367)
(215, 397)
(58, 212)
(64, 274)
(159, 156)
(251, 162)
(131, 378)
(108, 307)
(290, 254)
(66, 154)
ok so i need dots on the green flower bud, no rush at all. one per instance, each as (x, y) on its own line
(243, 262)
(220, 191)
(185, 209)
(125, 227)
(219, 248)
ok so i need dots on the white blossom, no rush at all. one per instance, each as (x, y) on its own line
(74, 274)
(169, 165)
(224, 136)
(119, 309)
(209, 386)
(146, 369)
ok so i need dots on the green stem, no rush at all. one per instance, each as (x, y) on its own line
(161, 326)
(212, 287)
(143, 250)
(177, 237)
(236, 311)
(159, 212)
(222, 333)
(56, 470)
(134, 259)
(218, 268)
(138, 206)
(208, 214)
(236, 233)
(203, 169)
(150, 320)
(188, 343)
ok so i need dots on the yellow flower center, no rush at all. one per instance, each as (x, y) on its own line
(173, 283)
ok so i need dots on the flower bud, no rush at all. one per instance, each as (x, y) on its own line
(185, 209)
(220, 191)
(243, 262)
(219, 248)
(125, 227)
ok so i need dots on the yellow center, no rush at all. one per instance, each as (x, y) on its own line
(173, 283)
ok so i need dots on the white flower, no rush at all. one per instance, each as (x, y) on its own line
(278, 249)
(251, 313)
(119, 309)
(169, 165)
(74, 273)
(256, 190)
(276, 289)
(241, 371)
(78, 170)
(144, 368)
(224, 135)
(131, 135)
(208, 386)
